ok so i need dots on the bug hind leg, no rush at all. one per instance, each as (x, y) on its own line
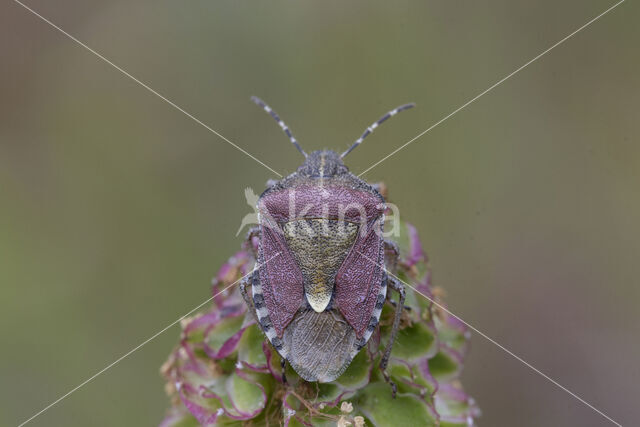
(398, 287)
(283, 365)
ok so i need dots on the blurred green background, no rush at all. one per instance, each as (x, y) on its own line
(116, 209)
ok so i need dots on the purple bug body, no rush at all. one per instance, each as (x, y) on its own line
(320, 282)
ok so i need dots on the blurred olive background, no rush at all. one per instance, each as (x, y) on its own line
(117, 209)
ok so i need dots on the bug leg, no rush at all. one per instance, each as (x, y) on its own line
(391, 255)
(247, 281)
(247, 299)
(283, 364)
(381, 188)
(248, 241)
(398, 287)
(395, 304)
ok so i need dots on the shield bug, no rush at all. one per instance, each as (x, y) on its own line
(321, 282)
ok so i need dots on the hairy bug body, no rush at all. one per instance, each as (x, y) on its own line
(321, 285)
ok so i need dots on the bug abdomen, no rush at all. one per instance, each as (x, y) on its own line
(319, 346)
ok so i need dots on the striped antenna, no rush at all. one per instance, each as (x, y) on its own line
(277, 118)
(375, 125)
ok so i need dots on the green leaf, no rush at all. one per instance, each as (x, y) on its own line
(443, 366)
(453, 337)
(409, 379)
(413, 342)
(250, 347)
(246, 396)
(357, 374)
(293, 422)
(382, 410)
(328, 391)
(223, 331)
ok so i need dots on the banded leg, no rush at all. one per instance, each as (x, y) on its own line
(264, 326)
(247, 281)
(398, 287)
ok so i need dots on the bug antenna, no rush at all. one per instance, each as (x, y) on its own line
(277, 118)
(375, 124)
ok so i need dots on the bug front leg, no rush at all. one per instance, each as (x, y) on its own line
(271, 182)
(391, 255)
(248, 241)
(381, 188)
(392, 283)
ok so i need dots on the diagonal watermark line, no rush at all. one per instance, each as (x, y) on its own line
(139, 346)
(494, 342)
(362, 173)
(490, 88)
(144, 85)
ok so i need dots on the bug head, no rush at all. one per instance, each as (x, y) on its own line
(323, 164)
(328, 160)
